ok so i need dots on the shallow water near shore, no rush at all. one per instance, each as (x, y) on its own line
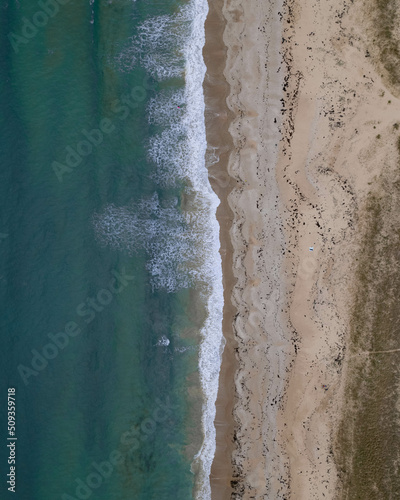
(110, 273)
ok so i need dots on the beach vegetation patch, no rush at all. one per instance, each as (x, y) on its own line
(367, 447)
(384, 15)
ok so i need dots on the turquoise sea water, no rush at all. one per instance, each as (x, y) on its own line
(110, 277)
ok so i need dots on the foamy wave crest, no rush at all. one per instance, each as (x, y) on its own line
(160, 40)
(180, 153)
(163, 342)
(212, 340)
(126, 60)
(164, 233)
(157, 46)
(167, 108)
(116, 226)
(170, 152)
(183, 247)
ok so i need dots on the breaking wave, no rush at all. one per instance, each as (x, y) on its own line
(182, 245)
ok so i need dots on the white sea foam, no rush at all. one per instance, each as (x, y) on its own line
(157, 45)
(127, 57)
(163, 232)
(182, 245)
(179, 152)
(205, 216)
(164, 341)
(160, 41)
(167, 108)
(170, 152)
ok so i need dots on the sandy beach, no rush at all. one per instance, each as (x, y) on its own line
(302, 109)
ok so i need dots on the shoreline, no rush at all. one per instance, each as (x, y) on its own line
(251, 275)
(219, 142)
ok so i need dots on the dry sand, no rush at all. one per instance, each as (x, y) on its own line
(311, 129)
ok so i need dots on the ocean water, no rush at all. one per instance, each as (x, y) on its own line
(110, 279)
